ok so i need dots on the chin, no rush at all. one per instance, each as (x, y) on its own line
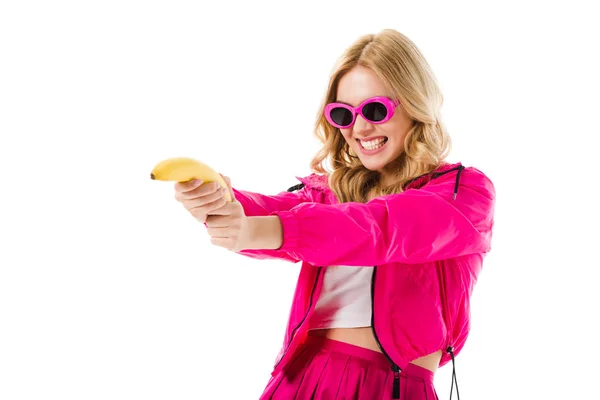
(374, 166)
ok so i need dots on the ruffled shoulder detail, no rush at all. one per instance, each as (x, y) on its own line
(315, 181)
(321, 182)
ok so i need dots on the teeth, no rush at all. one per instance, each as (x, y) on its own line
(372, 144)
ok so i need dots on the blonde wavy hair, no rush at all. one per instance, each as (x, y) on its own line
(399, 64)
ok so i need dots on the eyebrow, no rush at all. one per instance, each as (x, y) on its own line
(367, 98)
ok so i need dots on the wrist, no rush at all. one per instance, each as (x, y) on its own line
(266, 232)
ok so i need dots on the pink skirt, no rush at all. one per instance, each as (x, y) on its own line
(325, 369)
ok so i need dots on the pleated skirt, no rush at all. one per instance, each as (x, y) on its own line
(325, 369)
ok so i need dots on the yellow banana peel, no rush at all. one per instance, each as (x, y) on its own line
(184, 169)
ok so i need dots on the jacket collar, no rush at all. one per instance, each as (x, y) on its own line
(445, 168)
(320, 182)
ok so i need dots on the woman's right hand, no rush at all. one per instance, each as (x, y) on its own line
(200, 198)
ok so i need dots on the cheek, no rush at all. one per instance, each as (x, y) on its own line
(346, 133)
(393, 129)
(398, 125)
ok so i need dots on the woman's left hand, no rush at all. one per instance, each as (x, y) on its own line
(228, 225)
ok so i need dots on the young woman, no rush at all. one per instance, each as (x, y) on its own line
(391, 239)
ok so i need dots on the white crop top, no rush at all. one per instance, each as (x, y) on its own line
(345, 299)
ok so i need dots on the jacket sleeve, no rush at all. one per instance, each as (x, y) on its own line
(414, 226)
(256, 204)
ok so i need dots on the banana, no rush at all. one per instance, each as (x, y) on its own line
(183, 169)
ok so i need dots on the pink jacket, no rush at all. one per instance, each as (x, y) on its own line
(427, 245)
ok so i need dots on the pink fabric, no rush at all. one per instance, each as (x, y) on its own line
(427, 243)
(324, 369)
(411, 227)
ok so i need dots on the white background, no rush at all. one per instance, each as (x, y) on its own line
(109, 289)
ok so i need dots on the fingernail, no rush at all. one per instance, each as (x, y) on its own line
(197, 182)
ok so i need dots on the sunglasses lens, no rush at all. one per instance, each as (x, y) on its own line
(375, 111)
(341, 116)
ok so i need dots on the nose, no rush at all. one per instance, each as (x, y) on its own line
(362, 126)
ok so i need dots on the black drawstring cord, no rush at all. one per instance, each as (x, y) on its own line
(296, 187)
(460, 168)
(396, 382)
(450, 350)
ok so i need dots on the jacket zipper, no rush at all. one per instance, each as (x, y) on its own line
(449, 328)
(395, 368)
(310, 301)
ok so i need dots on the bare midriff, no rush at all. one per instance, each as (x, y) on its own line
(364, 337)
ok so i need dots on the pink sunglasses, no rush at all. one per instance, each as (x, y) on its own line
(376, 110)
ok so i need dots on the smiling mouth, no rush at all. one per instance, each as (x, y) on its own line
(373, 144)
